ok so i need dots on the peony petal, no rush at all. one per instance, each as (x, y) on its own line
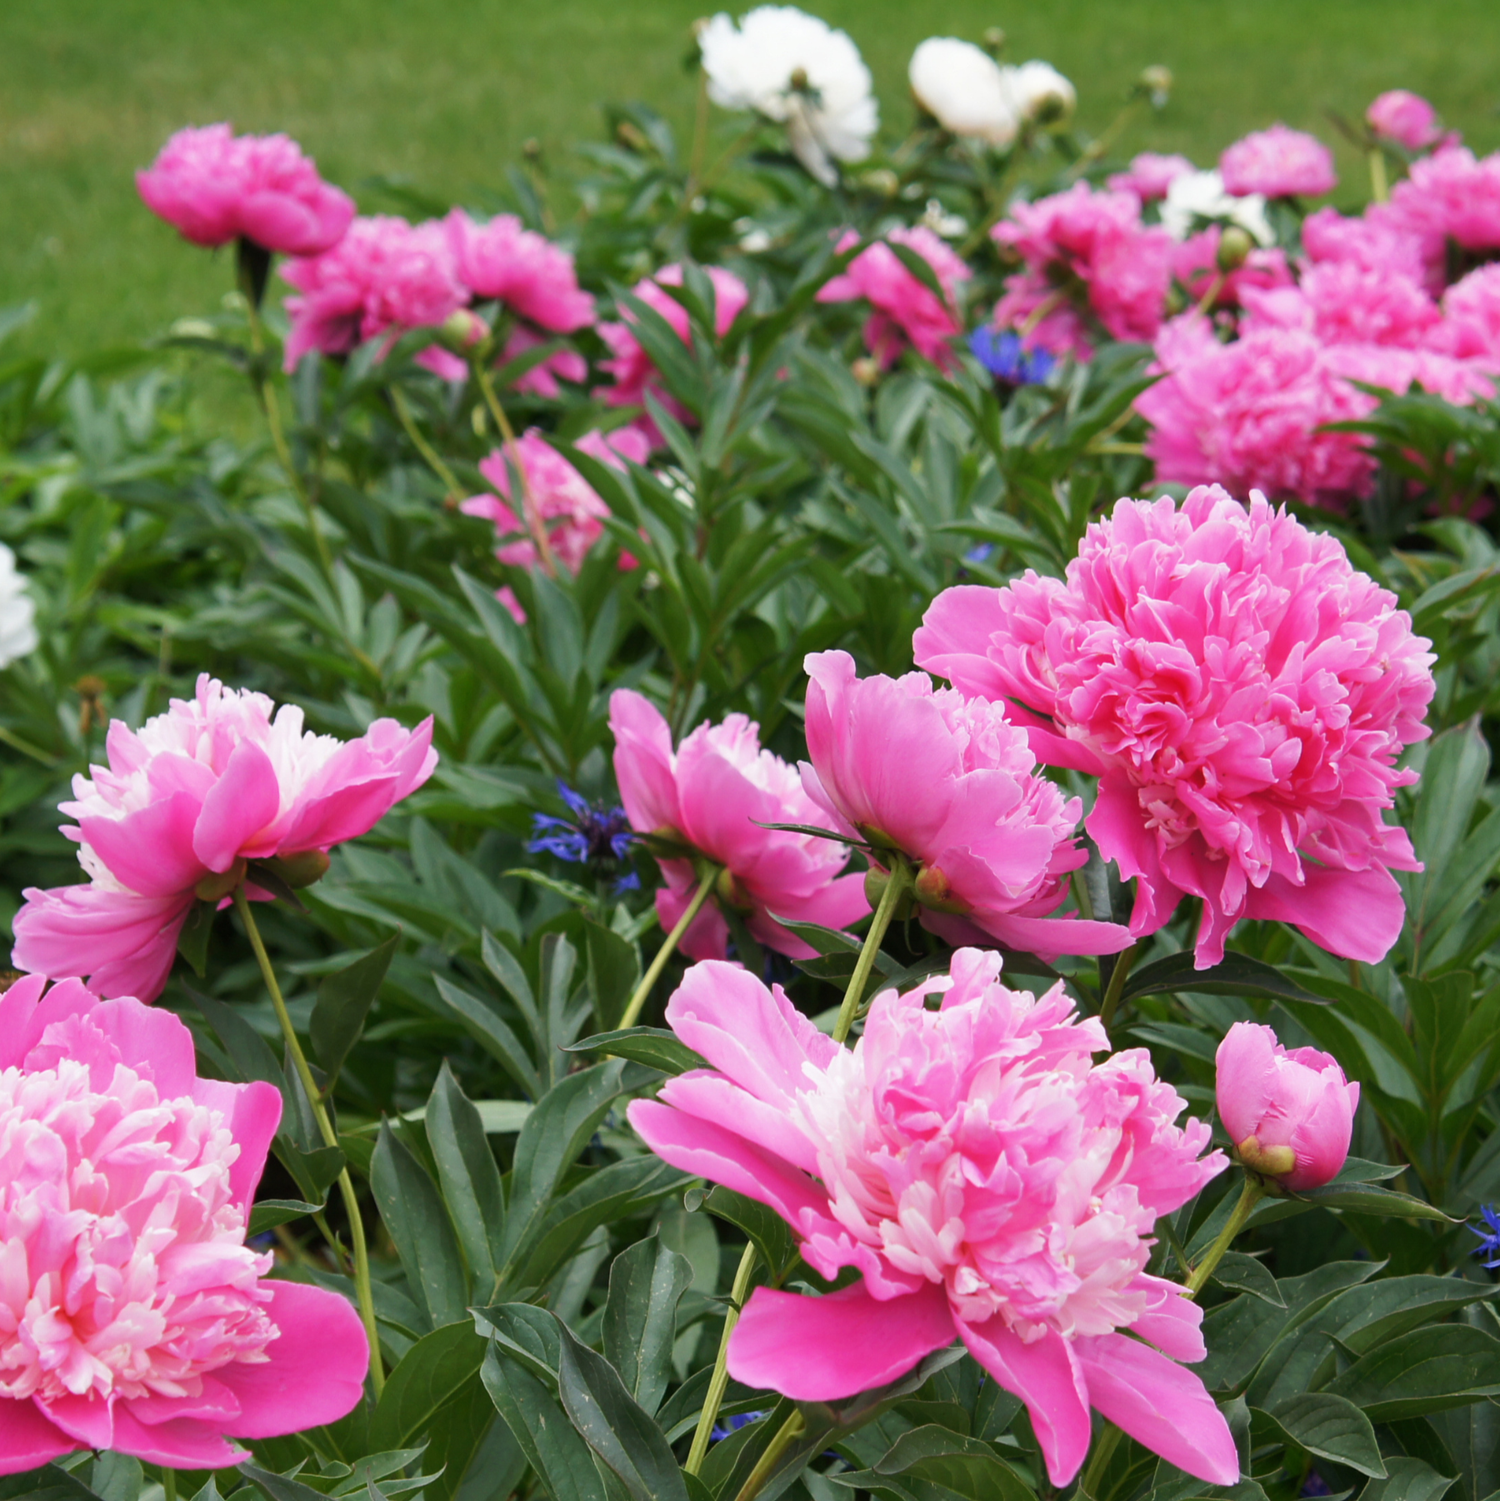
(240, 804)
(89, 1420)
(952, 639)
(710, 1096)
(182, 1444)
(28, 1438)
(822, 1349)
(252, 1113)
(153, 1042)
(1172, 1322)
(643, 762)
(150, 852)
(1356, 914)
(1049, 937)
(25, 1013)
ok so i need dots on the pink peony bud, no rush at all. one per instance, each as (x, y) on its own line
(1290, 1114)
(1405, 118)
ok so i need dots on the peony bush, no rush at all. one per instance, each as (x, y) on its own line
(876, 872)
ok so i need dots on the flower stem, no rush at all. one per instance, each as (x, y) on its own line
(1380, 189)
(789, 1431)
(720, 1378)
(534, 523)
(169, 1484)
(1104, 1450)
(1116, 987)
(895, 888)
(450, 485)
(665, 952)
(1250, 1195)
(363, 1290)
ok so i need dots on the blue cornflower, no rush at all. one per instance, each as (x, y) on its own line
(595, 835)
(1489, 1240)
(732, 1423)
(1315, 1485)
(1002, 355)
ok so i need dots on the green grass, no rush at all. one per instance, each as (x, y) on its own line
(444, 93)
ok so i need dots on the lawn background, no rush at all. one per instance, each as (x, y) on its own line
(443, 94)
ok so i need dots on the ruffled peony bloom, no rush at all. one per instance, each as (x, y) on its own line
(1471, 318)
(1040, 94)
(1450, 196)
(962, 87)
(1151, 174)
(905, 311)
(987, 1178)
(18, 637)
(1243, 695)
(1405, 118)
(1279, 163)
(1345, 303)
(1289, 1114)
(950, 783)
(710, 795)
(1378, 241)
(1194, 199)
(503, 261)
(184, 803)
(384, 277)
(1195, 263)
(798, 71)
(215, 187)
(133, 1316)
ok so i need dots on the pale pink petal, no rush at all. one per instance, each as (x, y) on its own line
(711, 1097)
(183, 1444)
(21, 1023)
(1172, 1322)
(155, 1043)
(151, 851)
(644, 762)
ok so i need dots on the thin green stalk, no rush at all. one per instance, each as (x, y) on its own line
(533, 516)
(423, 447)
(25, 747)
(720, 1378)
(665, 952)
(1211, 296)
(169, 1484)
(1116, 988)
(895, 888)
(1380, 188)
(363, 1290)
(1250, 1195)
(765, 1466)
(1104, 1450)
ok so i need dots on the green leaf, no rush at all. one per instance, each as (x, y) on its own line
(1427, 1370)
(490, 1030)
(192, 937)
(551, 1444)
(248, 1051)
(1332, 1428)
(1408, 1480)
(468, 1176)
(614, 970)
(655, 1047)
(968, 1467)
(772, 1237)
(1238, 974)
(343, 1003)
(279, 1487)
(427, 1376)
(315, 1172)
(266, 1214)
(1247, 1275)
(46, 1484)
(1370, 1198)
(646, 1283)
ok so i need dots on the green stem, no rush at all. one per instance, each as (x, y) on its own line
(1250, 1195)
(1104, 1450)
(895, 888)
(364, 1292)
(1116, 988)
(169, 1484)
(665, 952)
(25, 747)
(720, 1378)
(765, 1466)
(1211, 296)
(534, 524)
(423, 447)
(1380, 188)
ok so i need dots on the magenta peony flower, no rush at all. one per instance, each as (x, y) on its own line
(1243, 695)
(1405, 118)
(949, 782)
(133, 1316)
(904, 310)
(183, 804)
(711, 794)
(1290, 1114)
(215, 187)
(503, 261)
(984, 1175)
(1280, 163)
(384, 277)
(1150, 175)
(1342, 302)
(1195, 263)
(1471, 319)
(1378, 241)
(1450, 196)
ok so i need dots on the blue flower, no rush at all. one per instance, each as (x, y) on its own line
(1002, 355)
(732, 1423)
(595, 835)
(1489, 1240)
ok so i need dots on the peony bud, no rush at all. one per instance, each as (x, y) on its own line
(1235, 246)
(1290, 1114)
(301, 870)
(216, 885)
(1157, 82)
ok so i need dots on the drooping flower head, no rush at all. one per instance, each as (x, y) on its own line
(1150, 175)
(183, 805)
(1405, 118)
(963, 88)
(133, 1317)
(1280, 163)
(794, 69)
(18, 636)
(988, 1179)
(708, 799)
(949, 782)
(1243, 694)
(215, 186)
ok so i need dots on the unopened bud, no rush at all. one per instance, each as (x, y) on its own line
(1235, 246)
(799, 80)
(305, 868)
(933, 890)
(1157, 81)
(461, 329)
(866, 370)
(531, 149)
(216, 885)
(993, 40)
(876, 881)
(881, 180)
(631, 135)
(729, 893)
(1269, 1162)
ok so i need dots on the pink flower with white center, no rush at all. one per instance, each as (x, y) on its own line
(1150, 175)
(989, 1180)
(710, 797)
(215, 186)
(905, 311)
(1279, 163)
(384, 277)
(949, 782)
(1243, 695)
(1344, 303)
(184, 803)
(1405, 118)
(133, 1317)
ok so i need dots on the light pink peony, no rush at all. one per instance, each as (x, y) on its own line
(1150, 175)
(988, 1180)
(1289, 1114)
(1344, 303)
(711, 794)
(1450, 196)
(215, 187)
(905, 311)
(501, 260)
(198, 791)
(1243, 695)
(633, 369)
(951, 783)
(384, 277)
(133, 1317)
(1280, 163)
(1405, 118)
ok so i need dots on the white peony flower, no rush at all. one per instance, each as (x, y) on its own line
(1040, 93)
(962, 88)
(17, 611)
(1196, 196)
(797, 70)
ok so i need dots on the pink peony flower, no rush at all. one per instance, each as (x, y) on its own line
(1471, 319)
(905, 310)
(384, 277)
(1379, 241)
(542, 379)
(1280, 163)
(987, 1179)
(1405, 118)
(1289, 1114)
(949, 782)
(503, 261)
(633, 369)
(188, 799)
(1195, 263)
(1243, 695)
(1150, 175)
(215, 187)
(711, 794)
(1344, 303)
(133, 1316)
(1398, 370)
(1450, 196)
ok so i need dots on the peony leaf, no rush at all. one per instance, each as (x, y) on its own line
(344, 1001)
(1324, 1424)
(1237, 975)
(655, 1047)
